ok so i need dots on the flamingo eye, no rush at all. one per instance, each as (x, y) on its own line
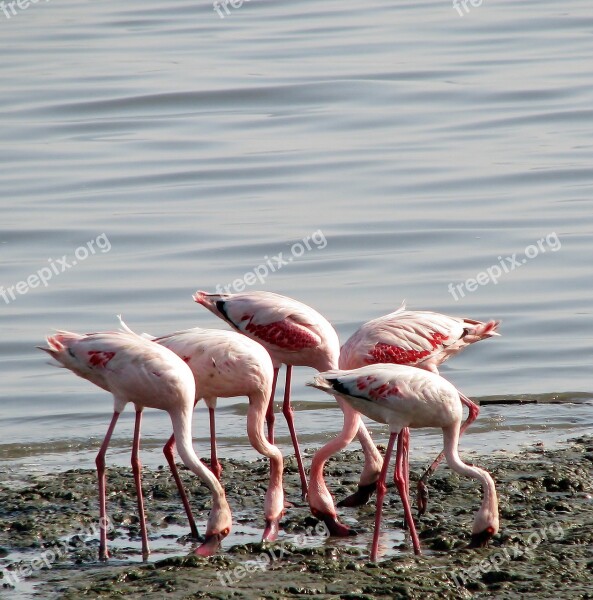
(490, 530)
(225, 531)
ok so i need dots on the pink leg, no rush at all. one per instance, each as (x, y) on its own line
(270, 418)
(100, 462)
(381, 490)
(215, 466)
(400, 479)
(404, 436)
(421, 489)
(168, 452)
(137, 470)
(288, 414)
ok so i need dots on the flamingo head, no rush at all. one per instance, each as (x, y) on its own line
(271, 530)
(485, 526)
(333, 525)
(219, 526)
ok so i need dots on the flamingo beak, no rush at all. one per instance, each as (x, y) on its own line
(271, 530)
(480, 540)
(360, 497)
(211, 544)
(334, 526)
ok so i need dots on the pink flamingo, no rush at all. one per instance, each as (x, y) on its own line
(148, 375)
(415, 338)
(405, 397)
(293, 333)
(227, 364)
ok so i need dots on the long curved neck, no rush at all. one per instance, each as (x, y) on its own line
(256, 416)
(489, 501)
(318, 492)
(181, 421)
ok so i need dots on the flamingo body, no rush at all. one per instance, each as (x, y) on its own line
(293, 333)
(415, 338)
(136, 370)
(422, 339)
(226, 364)
(406, 397)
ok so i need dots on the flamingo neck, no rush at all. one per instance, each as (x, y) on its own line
(256, 415)
(181, 421)
(487, 514)
(319, 496)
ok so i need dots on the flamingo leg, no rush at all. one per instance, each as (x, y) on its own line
(168, 452)
(421, 489)
(137, 470)
(100, 462)
(404, 436)
(381, 490)
(401, 481)
(270, 418)
(215, 466)
(289, 414)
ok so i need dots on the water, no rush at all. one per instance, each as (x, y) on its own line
(421, 146)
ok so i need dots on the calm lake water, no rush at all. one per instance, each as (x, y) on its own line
(163, 149)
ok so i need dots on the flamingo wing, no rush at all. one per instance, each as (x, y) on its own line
(267, 317)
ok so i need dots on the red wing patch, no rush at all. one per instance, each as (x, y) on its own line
(375, 393)
(284, 334)
(99, 358)
(387, 353)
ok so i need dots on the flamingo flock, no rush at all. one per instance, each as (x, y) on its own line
(387, 371)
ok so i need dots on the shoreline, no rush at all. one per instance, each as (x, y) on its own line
(543, 550)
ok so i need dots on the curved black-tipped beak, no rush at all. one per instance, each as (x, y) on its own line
(480, 540)
(334, 526)
(360, 496)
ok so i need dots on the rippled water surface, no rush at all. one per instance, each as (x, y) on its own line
(422, 146)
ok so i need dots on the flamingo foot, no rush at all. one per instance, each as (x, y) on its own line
(271, 530)
(210, 545)
(334, 526)
(421, 497)
(217, 470)
(360, 497)
(103, 554)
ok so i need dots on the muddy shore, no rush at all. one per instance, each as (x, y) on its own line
(543, 550)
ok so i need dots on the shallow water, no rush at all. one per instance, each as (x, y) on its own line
(423, 147)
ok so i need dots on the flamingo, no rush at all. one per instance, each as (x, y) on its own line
(406, 397)
(226, 364)
(292, 332)
(136, 370)
(416, 338)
